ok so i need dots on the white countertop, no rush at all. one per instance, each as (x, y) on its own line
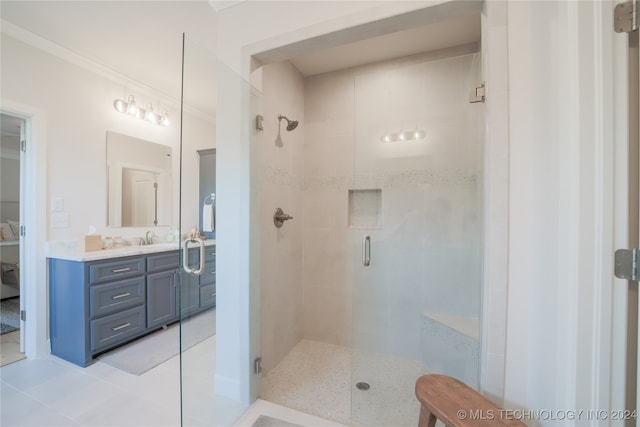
(67, 251)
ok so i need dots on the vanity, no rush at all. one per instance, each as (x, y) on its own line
(101, 300)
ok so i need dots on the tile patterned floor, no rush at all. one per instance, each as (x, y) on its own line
(312, 387)
(319, 379)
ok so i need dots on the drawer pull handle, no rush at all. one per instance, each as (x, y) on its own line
(117, 328)
(121, 270)
(121, 295)
(212, 294)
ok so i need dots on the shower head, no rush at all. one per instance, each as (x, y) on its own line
(291, 124)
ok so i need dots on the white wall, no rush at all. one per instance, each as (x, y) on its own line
(559, 283)
(77, 102)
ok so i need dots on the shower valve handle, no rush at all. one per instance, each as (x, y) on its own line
(279, 217)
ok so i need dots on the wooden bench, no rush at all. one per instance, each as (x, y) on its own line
(457, 405)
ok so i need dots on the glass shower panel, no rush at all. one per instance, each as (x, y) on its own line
(415, 218)
(203, 76)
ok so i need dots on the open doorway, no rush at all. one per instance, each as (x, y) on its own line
(12, 131)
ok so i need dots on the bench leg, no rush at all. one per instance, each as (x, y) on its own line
(427, 419)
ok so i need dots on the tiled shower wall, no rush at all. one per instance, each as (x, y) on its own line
(282, 178)
(337, 102)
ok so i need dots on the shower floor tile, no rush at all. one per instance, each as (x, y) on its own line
(318, 379)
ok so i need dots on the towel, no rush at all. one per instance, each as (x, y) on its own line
(208, 218)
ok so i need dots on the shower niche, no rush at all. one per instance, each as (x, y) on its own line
(365, 208)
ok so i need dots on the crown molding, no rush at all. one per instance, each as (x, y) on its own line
(14, 31)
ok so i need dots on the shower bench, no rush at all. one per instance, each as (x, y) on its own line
(456, 404)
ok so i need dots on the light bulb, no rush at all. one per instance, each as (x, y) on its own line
(120, 105)
(150, 116)
(165, 119)
(131, 107)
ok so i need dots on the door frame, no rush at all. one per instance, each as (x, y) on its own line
(621, 356)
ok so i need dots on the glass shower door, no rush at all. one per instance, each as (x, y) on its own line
(204, 78)
(416, 225)
(196, 285)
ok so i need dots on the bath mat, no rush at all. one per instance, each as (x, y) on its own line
(148, 352)
(264, 421)
(9, 315)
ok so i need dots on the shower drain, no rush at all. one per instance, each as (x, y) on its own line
(363, 386)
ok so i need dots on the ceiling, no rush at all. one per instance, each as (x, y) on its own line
(142, 40)
(454, 32)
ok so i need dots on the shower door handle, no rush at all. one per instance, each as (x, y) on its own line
(366, 251)
(185, 255)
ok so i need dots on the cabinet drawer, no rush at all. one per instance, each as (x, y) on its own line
(121, 268)
(208, 296)
(114, 329)
(210, 254)
(116, 296)
(208, 275)
(161, 262)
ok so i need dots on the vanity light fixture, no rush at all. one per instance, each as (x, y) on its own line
(412, 135)
(129, 107)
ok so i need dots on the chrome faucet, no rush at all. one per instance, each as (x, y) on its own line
(149, 237)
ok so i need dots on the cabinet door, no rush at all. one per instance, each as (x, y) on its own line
(161, 299)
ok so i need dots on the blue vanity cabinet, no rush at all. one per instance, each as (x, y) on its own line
(95, 305)
(162, 292)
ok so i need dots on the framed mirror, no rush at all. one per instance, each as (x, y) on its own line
(138, 182)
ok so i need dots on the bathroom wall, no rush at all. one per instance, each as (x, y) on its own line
(283, 155)
(78, 102)
(361, 104)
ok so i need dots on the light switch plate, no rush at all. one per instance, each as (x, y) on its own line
(60, 220)
(57, 204)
